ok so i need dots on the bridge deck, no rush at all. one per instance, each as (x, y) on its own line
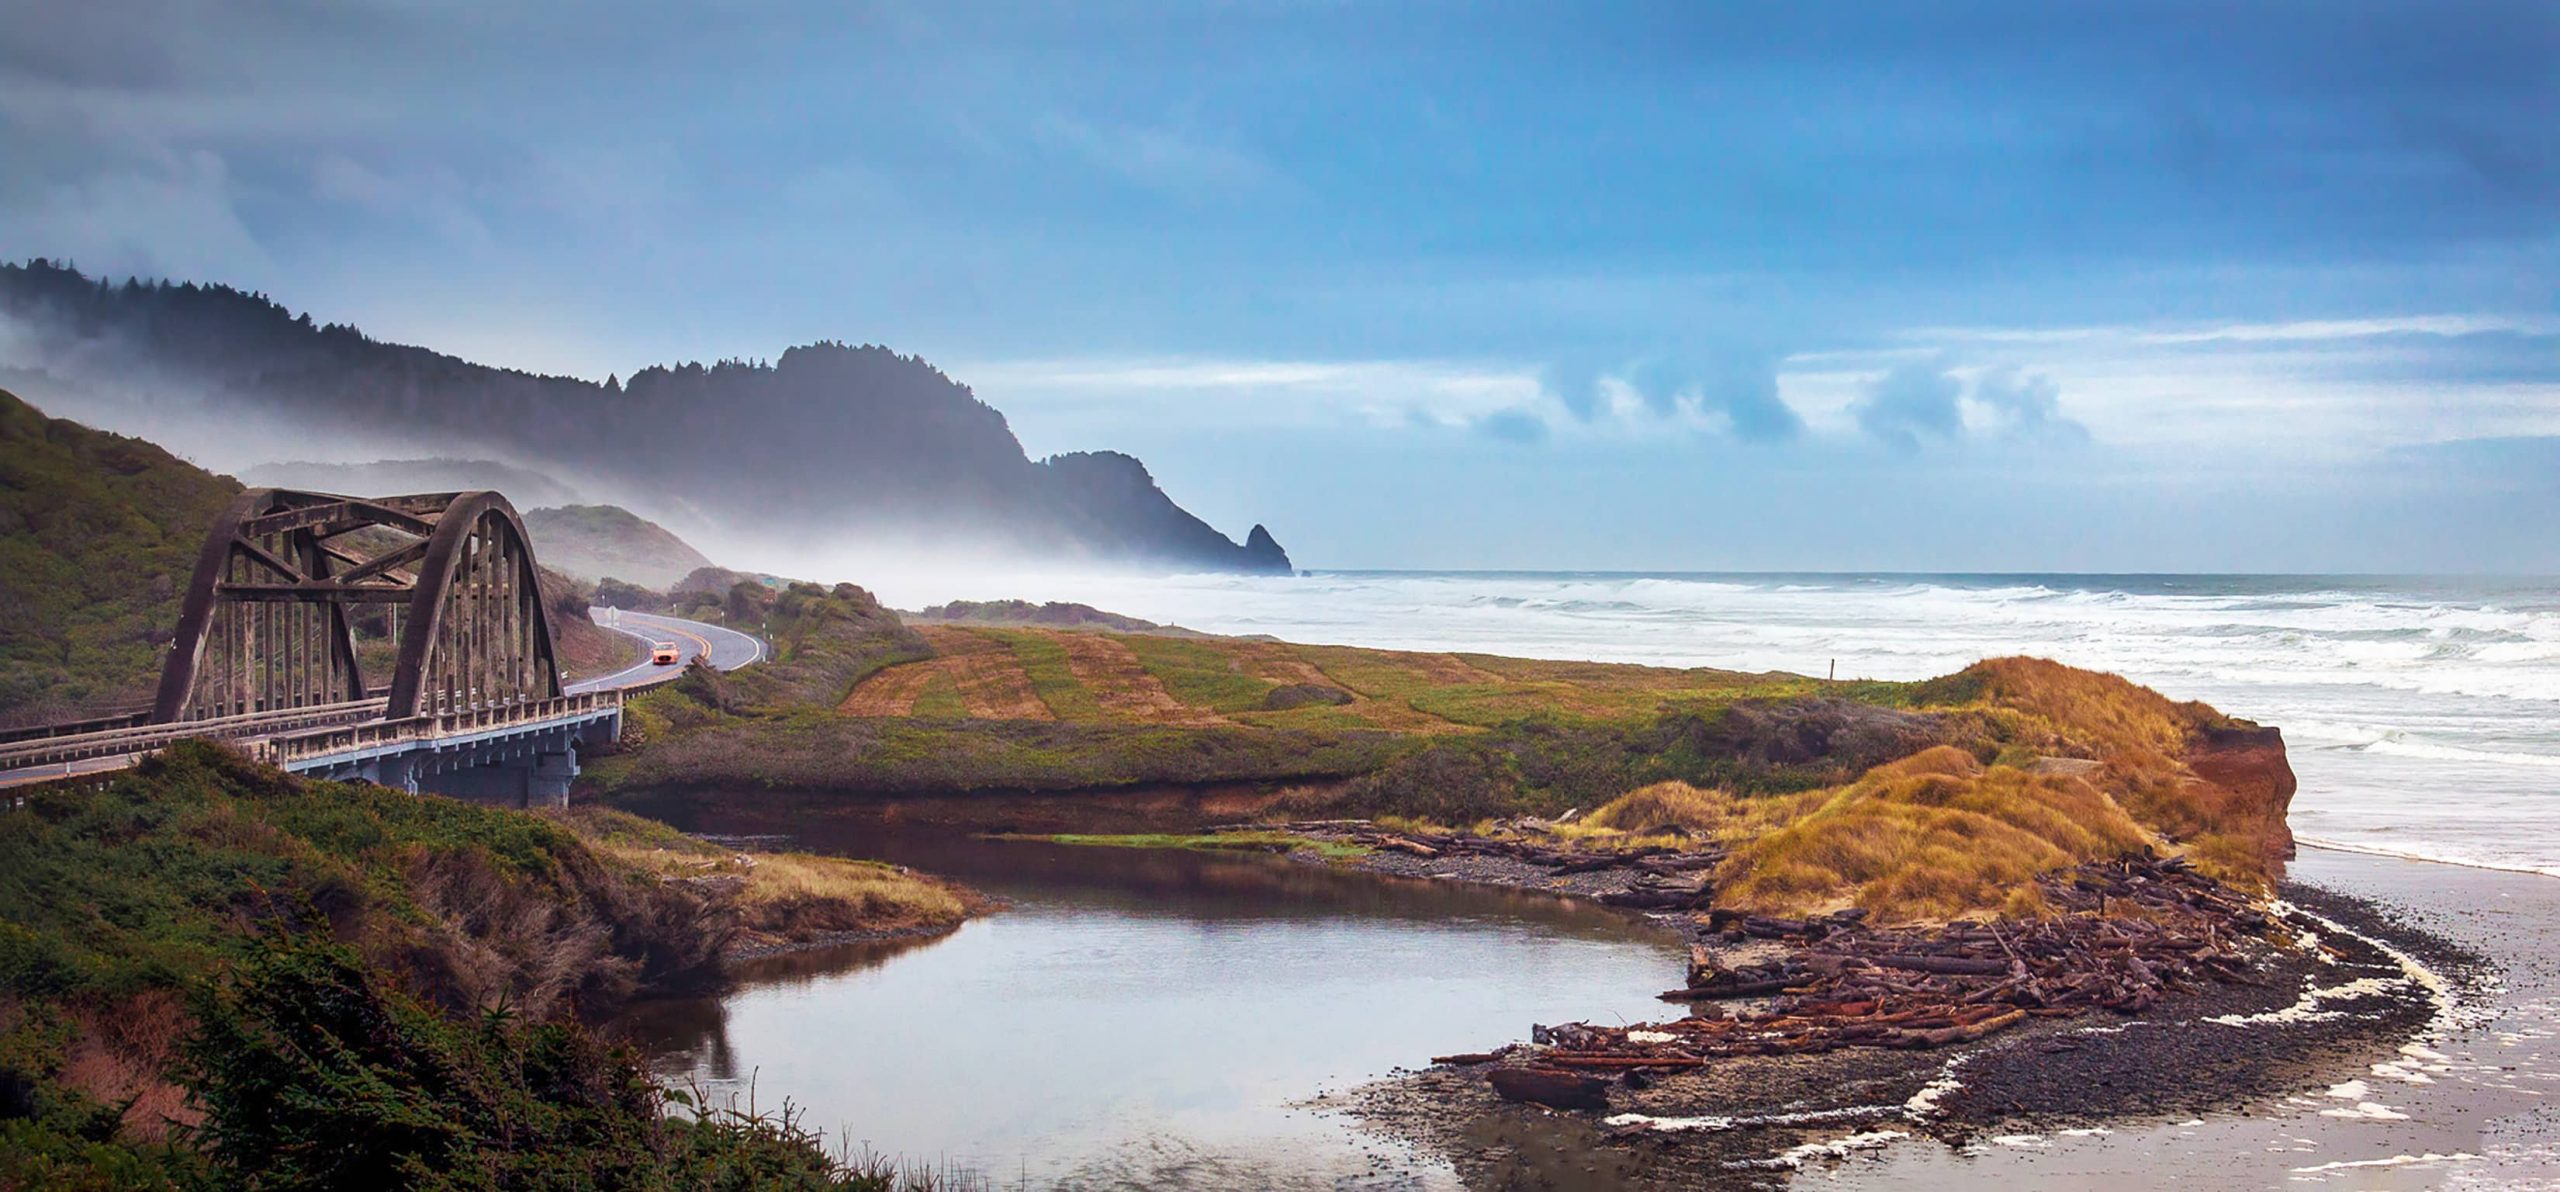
(331, 736)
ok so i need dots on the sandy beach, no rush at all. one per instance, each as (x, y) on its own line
(2473, 1102)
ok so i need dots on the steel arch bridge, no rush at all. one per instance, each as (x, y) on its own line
(398, 640)
(271, 619)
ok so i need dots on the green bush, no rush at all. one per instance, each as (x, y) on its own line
(313, 1071)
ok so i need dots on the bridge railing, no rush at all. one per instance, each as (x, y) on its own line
(102, 722)
(300, 733)
(288, 749)
(143, 738)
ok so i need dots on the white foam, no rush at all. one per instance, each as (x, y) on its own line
(1924, 1104)
(1844, 1113)
(2455, 753)
(2393, 1161)
(1838, 1148)
(1668, 1124)
(2436, 854)
(2308, 1007)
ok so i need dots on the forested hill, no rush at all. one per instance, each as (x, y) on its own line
(857, 441)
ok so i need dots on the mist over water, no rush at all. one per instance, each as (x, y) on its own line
(2422, 714)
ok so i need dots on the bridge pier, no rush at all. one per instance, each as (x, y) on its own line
(526, 767)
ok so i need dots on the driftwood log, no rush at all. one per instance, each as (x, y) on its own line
(1551, 1088)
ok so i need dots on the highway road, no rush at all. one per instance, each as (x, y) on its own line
(724, 649)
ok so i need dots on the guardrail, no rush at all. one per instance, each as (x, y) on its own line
(47, 751)
(102, 722)
(297, 733)
(133, 718)
(285, 750)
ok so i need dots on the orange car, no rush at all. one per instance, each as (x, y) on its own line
(665, 654)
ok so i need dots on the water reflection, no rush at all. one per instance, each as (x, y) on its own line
(1147, 1018)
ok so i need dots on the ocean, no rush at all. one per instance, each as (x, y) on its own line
(2422, 714)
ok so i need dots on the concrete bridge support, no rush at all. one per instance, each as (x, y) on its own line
(526, 767)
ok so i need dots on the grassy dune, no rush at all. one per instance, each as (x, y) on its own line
(1915, 800)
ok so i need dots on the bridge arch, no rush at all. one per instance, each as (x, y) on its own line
(285, 578)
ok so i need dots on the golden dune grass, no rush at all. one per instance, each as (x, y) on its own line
(1936, 835)
(780, 894)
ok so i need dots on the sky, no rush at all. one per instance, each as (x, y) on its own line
(1685, 286)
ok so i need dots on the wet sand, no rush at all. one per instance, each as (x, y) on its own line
(2473, 1102)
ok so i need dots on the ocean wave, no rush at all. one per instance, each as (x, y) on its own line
(2457, 753)
(2433, 854)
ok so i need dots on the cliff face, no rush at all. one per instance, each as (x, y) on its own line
(1122, 511)
(829, 439)
(2248, 762)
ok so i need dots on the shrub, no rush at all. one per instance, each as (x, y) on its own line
(314, 1072)
(1668, 805)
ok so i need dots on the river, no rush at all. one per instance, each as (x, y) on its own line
(1149, 1018)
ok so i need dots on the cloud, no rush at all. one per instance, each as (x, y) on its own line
(1910, 402)
(2025, 405)
(172, 214)
(1746, 394)
(1661, 382)
(1575, 385)
(1513, 426)
(432, 199)
(1737, 392)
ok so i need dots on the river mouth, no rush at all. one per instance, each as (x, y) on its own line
(1146, 1018)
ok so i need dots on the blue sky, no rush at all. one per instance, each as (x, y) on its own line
(1980, 285)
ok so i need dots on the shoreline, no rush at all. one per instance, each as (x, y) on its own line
(2468, 1100)
(2331, 846)
(1737, 1120)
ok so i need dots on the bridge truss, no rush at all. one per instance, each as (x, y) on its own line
(294, 590)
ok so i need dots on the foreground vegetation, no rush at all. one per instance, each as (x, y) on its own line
(216, 975)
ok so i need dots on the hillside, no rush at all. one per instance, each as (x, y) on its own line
(856, 442)
(340, 985)
(595, 542)
(98, 534)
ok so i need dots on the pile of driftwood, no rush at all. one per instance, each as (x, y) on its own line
(2129, 932)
